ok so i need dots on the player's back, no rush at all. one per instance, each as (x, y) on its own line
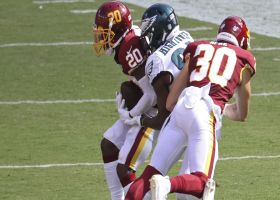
(130, 53)
(220, 64)
(169, 56)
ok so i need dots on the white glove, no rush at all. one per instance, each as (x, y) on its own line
(133, 121)
(123, 112)
(118, 99)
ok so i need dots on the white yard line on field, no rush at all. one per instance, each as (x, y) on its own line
(199, 28)
(266, 49)
(266, 94)
(41, 44)
(101, 164)
(83, 11)
(63, 1)
(79, 101)
(57, 101)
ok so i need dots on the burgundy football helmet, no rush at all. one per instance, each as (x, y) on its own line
(112, 23)
(234, 30)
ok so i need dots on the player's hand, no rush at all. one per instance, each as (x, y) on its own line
(123, 112)
(133, 121)
(118, 99)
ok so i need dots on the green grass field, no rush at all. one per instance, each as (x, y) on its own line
(59, 133)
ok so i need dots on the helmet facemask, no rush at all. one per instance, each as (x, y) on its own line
(112, 23)
(103, 40)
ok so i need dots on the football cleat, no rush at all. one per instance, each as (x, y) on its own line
(160, 187)
(209, 190)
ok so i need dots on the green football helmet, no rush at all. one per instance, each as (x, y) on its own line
(158, 21)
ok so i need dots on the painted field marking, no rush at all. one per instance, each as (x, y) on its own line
(79, 101)
(57, 101)
(266, 48)
(83, 11)
(40, 44)
(266, 94)
(199, 28)
(101, 164)
(34, 44)
(63, 1)
(276, 59)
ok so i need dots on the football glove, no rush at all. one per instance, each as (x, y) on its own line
(134, 121)
(122, 110)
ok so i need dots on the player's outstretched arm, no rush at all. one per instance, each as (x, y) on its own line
(238, 111)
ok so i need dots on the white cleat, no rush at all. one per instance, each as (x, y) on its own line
(209, 190)
(160, 187)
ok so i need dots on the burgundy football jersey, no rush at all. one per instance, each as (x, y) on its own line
(130, 53)
(221, 64)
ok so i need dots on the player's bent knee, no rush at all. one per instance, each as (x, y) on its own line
(109, 151)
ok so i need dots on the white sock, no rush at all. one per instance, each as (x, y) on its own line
(148, 195)
(126, 188)
(113, 182)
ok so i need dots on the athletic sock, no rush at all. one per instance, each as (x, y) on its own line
(141, 185)
(113, 181)
(189, 184)
(129, 178)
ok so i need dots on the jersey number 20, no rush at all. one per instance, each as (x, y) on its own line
(134, 58)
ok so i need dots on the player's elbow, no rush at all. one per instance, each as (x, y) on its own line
(169, 107)
(243, 116)
(160, 119)
(243, 119)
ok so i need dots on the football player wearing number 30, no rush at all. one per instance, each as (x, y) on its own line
(198, 99)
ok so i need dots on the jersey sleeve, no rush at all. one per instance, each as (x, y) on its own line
(153, 67)
(191, 49)
(252, 64)
(131, 54)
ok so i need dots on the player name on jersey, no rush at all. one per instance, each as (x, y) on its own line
(176, 40)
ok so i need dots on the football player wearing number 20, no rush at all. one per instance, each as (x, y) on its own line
(198, 99)
(123, 147)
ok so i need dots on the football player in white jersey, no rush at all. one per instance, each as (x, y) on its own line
(213, 72)
(162, 36)
(123, 147)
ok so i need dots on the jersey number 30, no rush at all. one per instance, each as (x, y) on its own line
(217, 64)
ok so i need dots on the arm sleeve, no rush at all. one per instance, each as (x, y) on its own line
(147, 100)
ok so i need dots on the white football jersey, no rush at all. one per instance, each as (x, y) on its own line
(169, 56)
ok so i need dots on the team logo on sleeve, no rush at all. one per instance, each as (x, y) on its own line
(149, 69)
